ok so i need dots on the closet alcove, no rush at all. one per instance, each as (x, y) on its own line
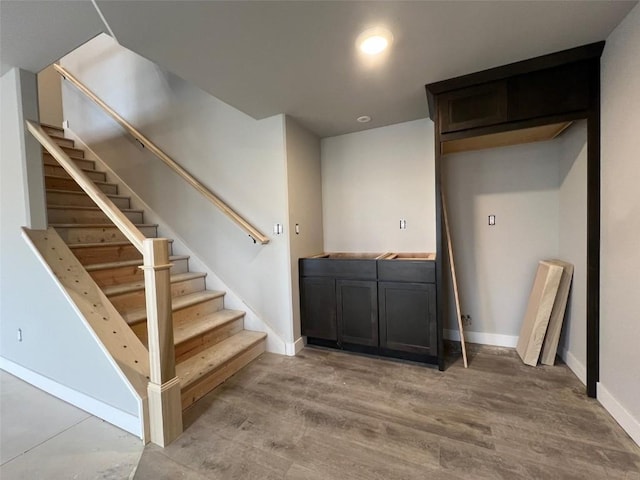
(555, 96)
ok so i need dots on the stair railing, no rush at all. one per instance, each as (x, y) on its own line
(252, 231)
(165, 406)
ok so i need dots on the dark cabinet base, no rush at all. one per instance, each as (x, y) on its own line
(382, 307)
(427, 360)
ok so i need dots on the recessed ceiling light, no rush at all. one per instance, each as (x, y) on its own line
(374, 40)
(364, 119)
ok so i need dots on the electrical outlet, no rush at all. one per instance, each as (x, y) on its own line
(466, 320)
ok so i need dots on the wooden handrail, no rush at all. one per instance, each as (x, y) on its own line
(105, 204)
(253, 232)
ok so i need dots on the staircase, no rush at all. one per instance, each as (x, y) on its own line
(211, 343)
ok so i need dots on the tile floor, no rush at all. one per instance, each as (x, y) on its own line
(42, 437)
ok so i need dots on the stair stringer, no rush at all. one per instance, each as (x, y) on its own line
(121, 347)
(252, 321)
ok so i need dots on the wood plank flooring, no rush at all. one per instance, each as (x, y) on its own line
(330, 415)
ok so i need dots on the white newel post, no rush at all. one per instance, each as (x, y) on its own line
(165, 406)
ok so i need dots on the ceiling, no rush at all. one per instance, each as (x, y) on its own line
(299, 57)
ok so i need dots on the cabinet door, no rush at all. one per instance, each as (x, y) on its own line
(473, 107)
(318, 308)
(408, 317)
(547, 92)
(358, 312)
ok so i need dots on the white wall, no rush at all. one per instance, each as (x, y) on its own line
(619, 387)
(239, 158)
(55, 344)
(50, 96)
(371, 180)
(305, 204)
(495, 265)
(572, 248)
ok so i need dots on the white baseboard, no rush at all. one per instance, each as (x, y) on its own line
(292, 348)
(575, 365)
(108, 413)
(619, 413)
(495, 339)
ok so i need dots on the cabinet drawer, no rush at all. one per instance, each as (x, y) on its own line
(338, 268)
(418, 271)
(473, 107)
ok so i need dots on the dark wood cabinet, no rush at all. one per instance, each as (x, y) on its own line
(384, 307)
(542, 93)
(339, 300)
(357, 311)
(318, 307)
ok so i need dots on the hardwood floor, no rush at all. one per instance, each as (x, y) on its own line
(330, 415)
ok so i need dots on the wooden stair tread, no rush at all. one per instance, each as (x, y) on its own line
(199, 366)
(90, 170)
(97, 182)
(48, 125)
(71, 156)
(97, 225)
(121, 288)
(73, 149)
(105, 244)
(76, 192)
(177, 303)
(60, 137)
(125, 263)
(90, 209)
(198, 326)
(64, 174)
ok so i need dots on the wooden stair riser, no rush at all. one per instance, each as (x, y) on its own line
(127, 274)
(199, 310)
(59, 183)
(136, 299)
(53, 130)
(190, 313)
(73, 152)
(81, 199)
(74, 215)
(102, 234)
(197, 344)
(107, 253)
(58, 171)
(80, 162)
(194, 392)
(63, 142)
